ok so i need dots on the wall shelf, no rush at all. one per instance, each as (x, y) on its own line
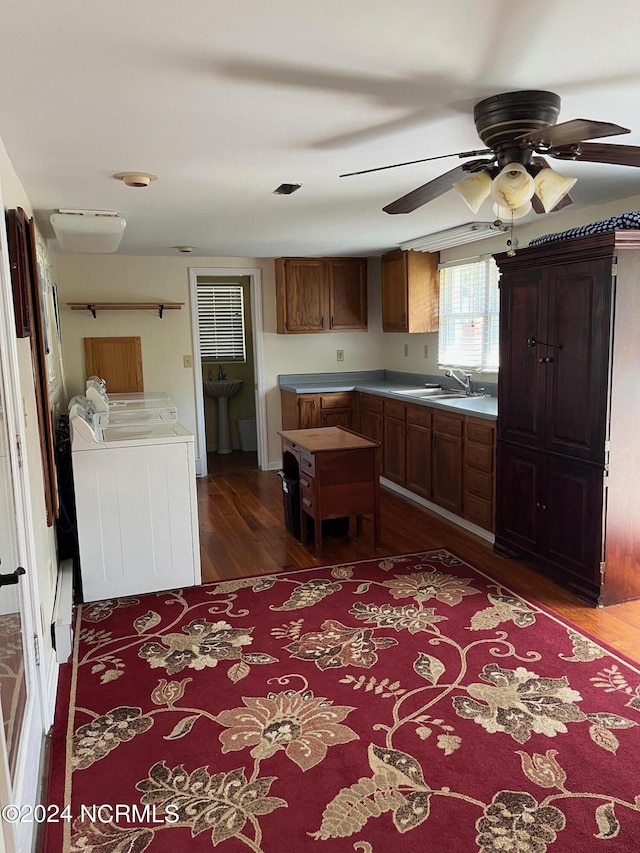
(93, 307)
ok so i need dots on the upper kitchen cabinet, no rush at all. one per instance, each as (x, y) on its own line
(410, 291)
(321, 295)
(568, 408)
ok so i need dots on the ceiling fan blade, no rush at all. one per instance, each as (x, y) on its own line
(597, 152)
(571, 133)
(423, 160)
(427, 192)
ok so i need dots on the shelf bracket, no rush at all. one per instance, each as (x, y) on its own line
(160, 311)
(92, 308)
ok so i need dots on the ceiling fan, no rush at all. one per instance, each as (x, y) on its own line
(518, 127)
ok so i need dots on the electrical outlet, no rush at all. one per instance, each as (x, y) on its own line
(187, 361)
(340, 354)
(406, 350)
(426, 350)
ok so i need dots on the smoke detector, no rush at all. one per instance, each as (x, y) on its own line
(136, 179)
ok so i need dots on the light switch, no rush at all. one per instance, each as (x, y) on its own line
(187, 361)
(340, 354)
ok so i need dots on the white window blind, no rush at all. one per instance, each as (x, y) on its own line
(469, 308)
(221, 322)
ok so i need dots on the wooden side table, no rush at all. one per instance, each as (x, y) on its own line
(339, 476)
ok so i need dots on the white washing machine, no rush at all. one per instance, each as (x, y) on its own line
(151, 400)
(136, 506)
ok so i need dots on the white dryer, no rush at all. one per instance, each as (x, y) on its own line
(120, 417)
(136, 506)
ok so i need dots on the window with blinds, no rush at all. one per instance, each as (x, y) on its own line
(469, 310)
(221, 322)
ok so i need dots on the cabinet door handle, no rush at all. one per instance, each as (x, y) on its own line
(304, 482)
(314, 405)
(332, 321)
(322, 323)
(547, 360)
(306, 501)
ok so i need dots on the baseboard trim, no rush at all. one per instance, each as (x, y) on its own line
(438, 510)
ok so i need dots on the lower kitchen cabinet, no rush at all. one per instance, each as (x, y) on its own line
(310, 411)
(446, 461)
(370, 416)
(394, 454)
(479, 475)
(419, 442)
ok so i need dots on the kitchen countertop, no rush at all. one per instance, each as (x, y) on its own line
(481, 407)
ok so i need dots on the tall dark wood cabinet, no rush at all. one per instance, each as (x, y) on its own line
(568, 450)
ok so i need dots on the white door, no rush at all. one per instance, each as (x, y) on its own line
(21, 726)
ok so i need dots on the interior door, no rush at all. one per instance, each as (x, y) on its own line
(20, 715)
(116, 360)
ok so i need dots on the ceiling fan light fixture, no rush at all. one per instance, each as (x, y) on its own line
(551, 187)
(513, 187)
(474, 189)
(508, 213)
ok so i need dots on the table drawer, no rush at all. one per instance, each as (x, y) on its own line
(479, 456)
(480, 432)
(447, 424)
(392, 409)
(419, 416)
(307, 463)
(307, 494)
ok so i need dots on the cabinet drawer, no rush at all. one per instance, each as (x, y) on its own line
(394, 410)
(479, 456)
(336, 400)
(479, 483)
(419, 416)
(480, 432)
(371, 403)
(447, 424)
(307, 463)
(478, 511)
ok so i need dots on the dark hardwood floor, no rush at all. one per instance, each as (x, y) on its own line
(242, 533)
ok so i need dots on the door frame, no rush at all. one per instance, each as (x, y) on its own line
(38, 713)
(257, 328)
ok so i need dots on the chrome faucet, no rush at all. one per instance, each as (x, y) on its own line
(222, 373)
(466, 382)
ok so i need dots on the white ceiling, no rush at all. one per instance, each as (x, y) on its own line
(226, 99)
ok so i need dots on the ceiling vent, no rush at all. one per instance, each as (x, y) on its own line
(98, 231)
(286, 189)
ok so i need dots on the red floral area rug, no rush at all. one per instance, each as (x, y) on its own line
(409, 703)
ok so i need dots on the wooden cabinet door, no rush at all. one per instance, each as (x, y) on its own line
(116, 360)
(521, 389)
(337, 417)
(394, 455)
(347, 281)
(446, 481)
(371, 425)
(519, 499)
(419, 459)
(395, 307)
(308, 411)
(301, 295)
(578, 322)
(572, 512)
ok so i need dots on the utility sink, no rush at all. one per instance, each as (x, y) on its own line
(222, 389)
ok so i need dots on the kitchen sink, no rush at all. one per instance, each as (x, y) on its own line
(436, 394)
